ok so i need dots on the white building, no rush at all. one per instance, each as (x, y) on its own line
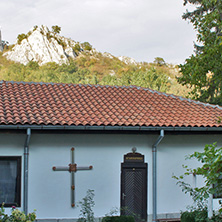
(40, 124)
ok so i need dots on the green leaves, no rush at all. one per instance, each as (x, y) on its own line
(210, 170)
(87, 203)
(56, 29)
(16, 215)
(202, 71)
(20, 37)
(92, 70)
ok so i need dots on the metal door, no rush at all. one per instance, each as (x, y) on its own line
(134, 187)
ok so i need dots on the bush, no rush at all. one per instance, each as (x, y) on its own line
(35, 27)
(77, 48)
(33, 65)
(86, 46)
(194, 216)
(16, 216)
(216, 218)
(21, 37)
(159, 61)
(87, 203)
(118, 219)
(56, 29)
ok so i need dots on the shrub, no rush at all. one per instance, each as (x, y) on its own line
(35, 27)
(48, 35)
(16, 216)
(216, 218)
(56, 29)
(21, 37)
(33, 65)
(87, 203)
(194, 216)
(77, 48)
(210, 170)
(86, 46)
(159, 61)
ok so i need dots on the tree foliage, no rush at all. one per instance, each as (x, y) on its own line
(159, 61)
(210, 170)
(93, 68)
(203, 70)
(20, 37)
(86, 46)
(56, 29)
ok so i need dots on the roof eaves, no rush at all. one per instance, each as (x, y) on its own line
(109, 128)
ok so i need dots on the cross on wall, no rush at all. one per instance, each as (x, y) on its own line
(72, 168)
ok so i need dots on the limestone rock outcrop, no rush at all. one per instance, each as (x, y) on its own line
(43, 46)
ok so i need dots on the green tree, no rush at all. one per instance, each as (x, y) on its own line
(86, 46)
(159, 61)
(77, 48)
(20, 37)
(56, 29)
(203, 70)
(211, 171)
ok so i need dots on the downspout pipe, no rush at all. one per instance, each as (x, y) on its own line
(154, 152)
(26, 170)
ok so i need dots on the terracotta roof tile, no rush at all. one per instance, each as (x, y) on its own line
(94, 105)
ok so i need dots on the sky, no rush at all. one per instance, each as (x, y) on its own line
(140, 29)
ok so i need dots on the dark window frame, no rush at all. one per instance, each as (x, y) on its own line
(17, 202)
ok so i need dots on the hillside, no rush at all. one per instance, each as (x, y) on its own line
(44, 56)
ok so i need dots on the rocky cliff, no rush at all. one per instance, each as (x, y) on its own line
(43, 46)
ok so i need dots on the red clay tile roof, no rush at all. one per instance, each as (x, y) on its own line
(68, 104)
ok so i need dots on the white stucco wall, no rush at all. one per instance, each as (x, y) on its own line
(171, 156)
(49, 191)
(104, 152)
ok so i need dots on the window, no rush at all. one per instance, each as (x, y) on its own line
(10, 181)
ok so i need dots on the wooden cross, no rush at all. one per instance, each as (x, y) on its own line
(72, 168)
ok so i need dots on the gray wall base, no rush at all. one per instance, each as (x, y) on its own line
(161, 216)
(149, 219)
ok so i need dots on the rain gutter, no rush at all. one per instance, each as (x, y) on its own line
(109, 128)
(154, 175)
(26, 161)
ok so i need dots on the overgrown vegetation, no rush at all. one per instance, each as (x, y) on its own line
(87, 214)
(211, 171)
(194, 215)
(199, 215)
(87, 204)
(21, 37)
(95, 68)
(16, 216)
(86, 46)
(56, 29)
